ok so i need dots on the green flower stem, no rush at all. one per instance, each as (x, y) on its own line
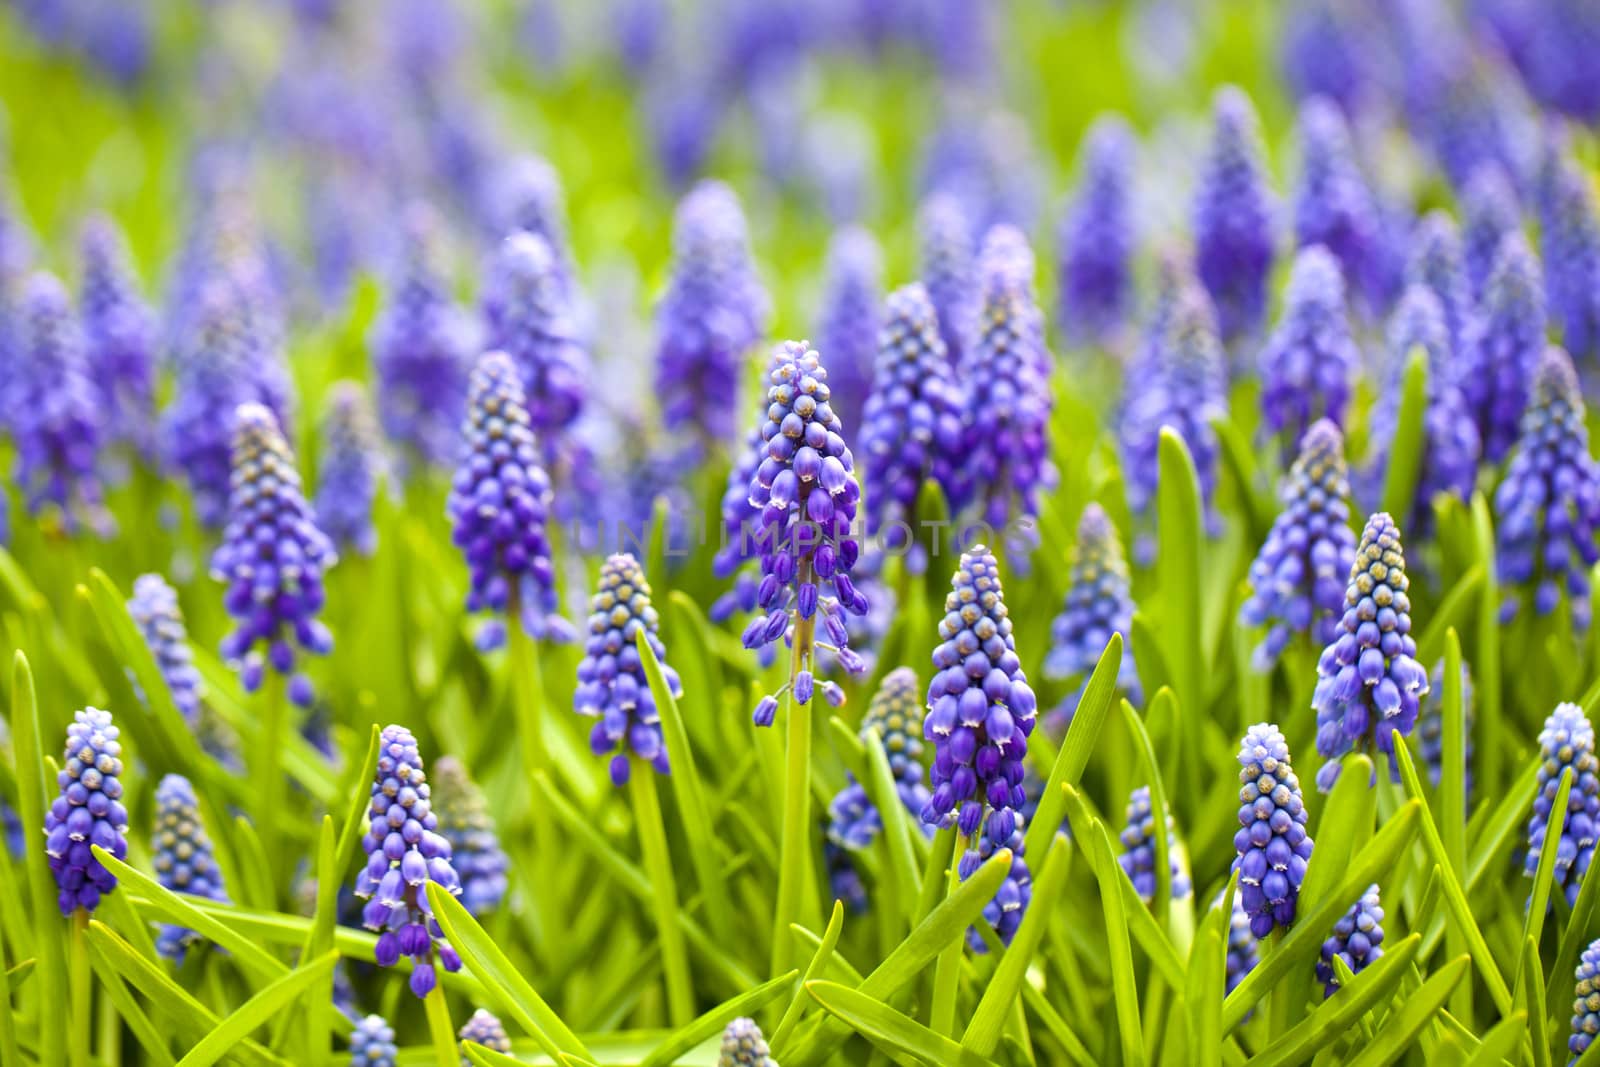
(794, 870)
(1278, 998)
(526, 690)
(445, 1052)
(78, 983)
(947, 971)
(658, 866)
(267, 768)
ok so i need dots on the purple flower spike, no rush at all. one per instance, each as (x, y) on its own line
(1272, 843)
(272, 558)
(1569, 229)
(852, 314)
(1244, 951)
(372, 1044)
(183, 859)
(612, 686)
(529, 197)
(1586, 1001)
(714, 311)
(945, 246)
(465, 822)
(1430, 725)
(421, 348)
(1566, 743)
(1233, 216)
(806, 491)
(1357, 940)
(55, 415)
(351, 470)
(912, 430)
(1549, 502)
(88, 812)
(1489, 214)
(1297, 581)
(530, 318)
(1310, 361)
(1008, 373)
(1437, 263)
(486, 1030)
(1504, 354)
(1552, 44)
(1368, 679)
(1333, 206)
(1326, 51)
(120, 334)
(896, 713)
(155, 611)
(744, 1046)
(1138, 859)
(499, 504)
(404, 853)
(1098, 605)
(1096, 236)
(980, 714)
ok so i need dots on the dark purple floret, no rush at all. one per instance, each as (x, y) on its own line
(183, 862)
(404, 853)
(272, 558)
(1489, 213)
(1566, 743)
(1504, 352)
(1569, 228)
(465, 822)
(499, 506)
(1097, 235)
(1138, 859)
(351, 469)
(119, 333)
(945, 256)
(1547, 533)
(1233, 217)
(88, 812)
(1310, 361)
(1357, 939)
(1098, 604)
(1297, 581)
(714, 311)
(852, 313)
(1368, 679)
(1272, 844)
(1333, 206)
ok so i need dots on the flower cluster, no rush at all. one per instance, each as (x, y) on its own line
(529, 318)
(404, 853)
(1097, 605)
(713, 312)
(350, 469)
(851, 315)
(1586, 1001)
(183, 860)
(1357, 939)
(1310, 360)
(155, 611)
(1569, 228)
(1548, 505)
(807, 496)
(499, 505)
(272, 558)
(744, 1046)
(1272, 843)
(88, 812)
(1368, 679)
(1489, 214)
(896, 714)
(1503, 357)
(465, 822)
(912, 429)
(612, 686)
(529, 198)
(486, 1030)
(1430, 725)
(945, 244)
(1244, 950)
(1297, 580)
(372, 1044)
(1233, 216)
(1138, 859)
(1566, 743)
(1096, 235)
(119, 333)
(1333, 206)
(1437, 264)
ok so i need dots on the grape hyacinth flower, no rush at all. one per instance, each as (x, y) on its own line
(1333, 207)
(980, 713)
(912, 429)
(88, 812)
(896, 714)
(1008, 370)
(1489, 214)
(154, 610)
(851, 315)
(529, 317)
(1549, 502)
(1233, 216)
(1566, 743)
(183, 860)
(499, 505)
(1244, 951)
(273, 557)
(1297, 580)
(372, 1044)
(844, 881)
(119, 332)
(1504, 354)
(945, 244)
(1096, 236)
(404, 853)
(1569, 228)
(612, 687)
(465, 822)
(714, 311)
(53, 410)
(1310, 361)
(486, 1030)
(1586, 1001)
(351, 469)
(1272, 844)
(1368, 679)
(1430, 725)
(807, 496)
(529, 198)
(743, 1045)
(1357, 939)
(1098, 604)
(1138, 860)
(1437, 263)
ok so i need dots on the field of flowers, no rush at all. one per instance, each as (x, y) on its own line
(755, 532)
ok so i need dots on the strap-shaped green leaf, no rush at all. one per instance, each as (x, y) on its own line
(256, 1011)
(712, 1022)
(1082, 735)
(1405, 1023)
(889, 1029)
